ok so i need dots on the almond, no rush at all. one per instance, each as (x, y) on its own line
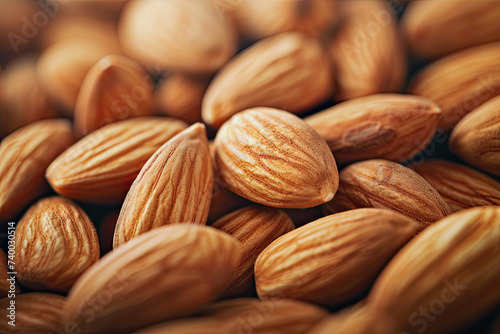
(247, 315)
(13, 26)
(435, 28)
(367, 51)
(461, 187)
(273, 158)
(162, 265)
(460, 82)
(55, 243)
(348, 320)
(114, 89)
(288, 71)
(148, 37)
(334, 259)
(389, 126)
(102, 166)
(26, 154)
(5, 284)
(173, 187)
(385, 184)
(262, 19)
(476, 137)
(255, 228)
(35, 313)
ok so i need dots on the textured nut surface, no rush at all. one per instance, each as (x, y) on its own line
(26, 154)
(114, 89)
(389, 126)
(385, 184)
(173, 187)
(4, 269)
(333, 259)
(36, 313)
(476, 138)
(55, 243)
(255, 228)
(461, 187)
(289, 71)
(102, 166)
(274, 158)
(162, 265)
(460, 82)
(247, 315)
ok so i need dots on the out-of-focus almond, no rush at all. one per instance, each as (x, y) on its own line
(177, 268)
(247, 315)
(173, 187)
(102, 166)
(347, 320)
(385, 184)
(255, 228)
(389, 126)
(147, 36)
(334, 259)
(289, 71)
(35, 313)
(367, 51)
(435, 28)
(55, 243)
(274, 158)
(114, 89)
(460, 186)
(12, 26)
(476, 138)
(460, 82)
(26, 154)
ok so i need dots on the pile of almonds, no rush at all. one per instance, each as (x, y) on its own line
(243, 166)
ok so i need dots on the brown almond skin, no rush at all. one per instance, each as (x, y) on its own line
(288, 71)
(173, 187)
(460, 186)
(101, 167)
(114, 89)
(385, 184)
(274, 158)
(35, 313)
(179, 281)
(476, 137)
(334, 259)
(55, 243)
(5, 284)
(247, 315)
(387, 126)
(460, 82)
(26, 154)
(255, 228)
(350, 320)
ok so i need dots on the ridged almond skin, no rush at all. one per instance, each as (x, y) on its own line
(367, 51)
(114, 89)
(476, 138)
(4, 269)
(274, 158)
(450, 270)
(101, 167)
(177, 269)
(26, 154)
(289, 71)
(460, 186)
(173, 187)
(334, 259)
(21, 98)
(147, 36)
(247, 315)
(453, 20)
(55, 243)
(35, 313)
(460, 82)
(388, 126)
(381, 183)
(62, 67)
(255, 228)
(258, 19)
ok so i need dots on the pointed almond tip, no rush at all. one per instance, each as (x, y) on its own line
(328, 197)
(197, 130)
